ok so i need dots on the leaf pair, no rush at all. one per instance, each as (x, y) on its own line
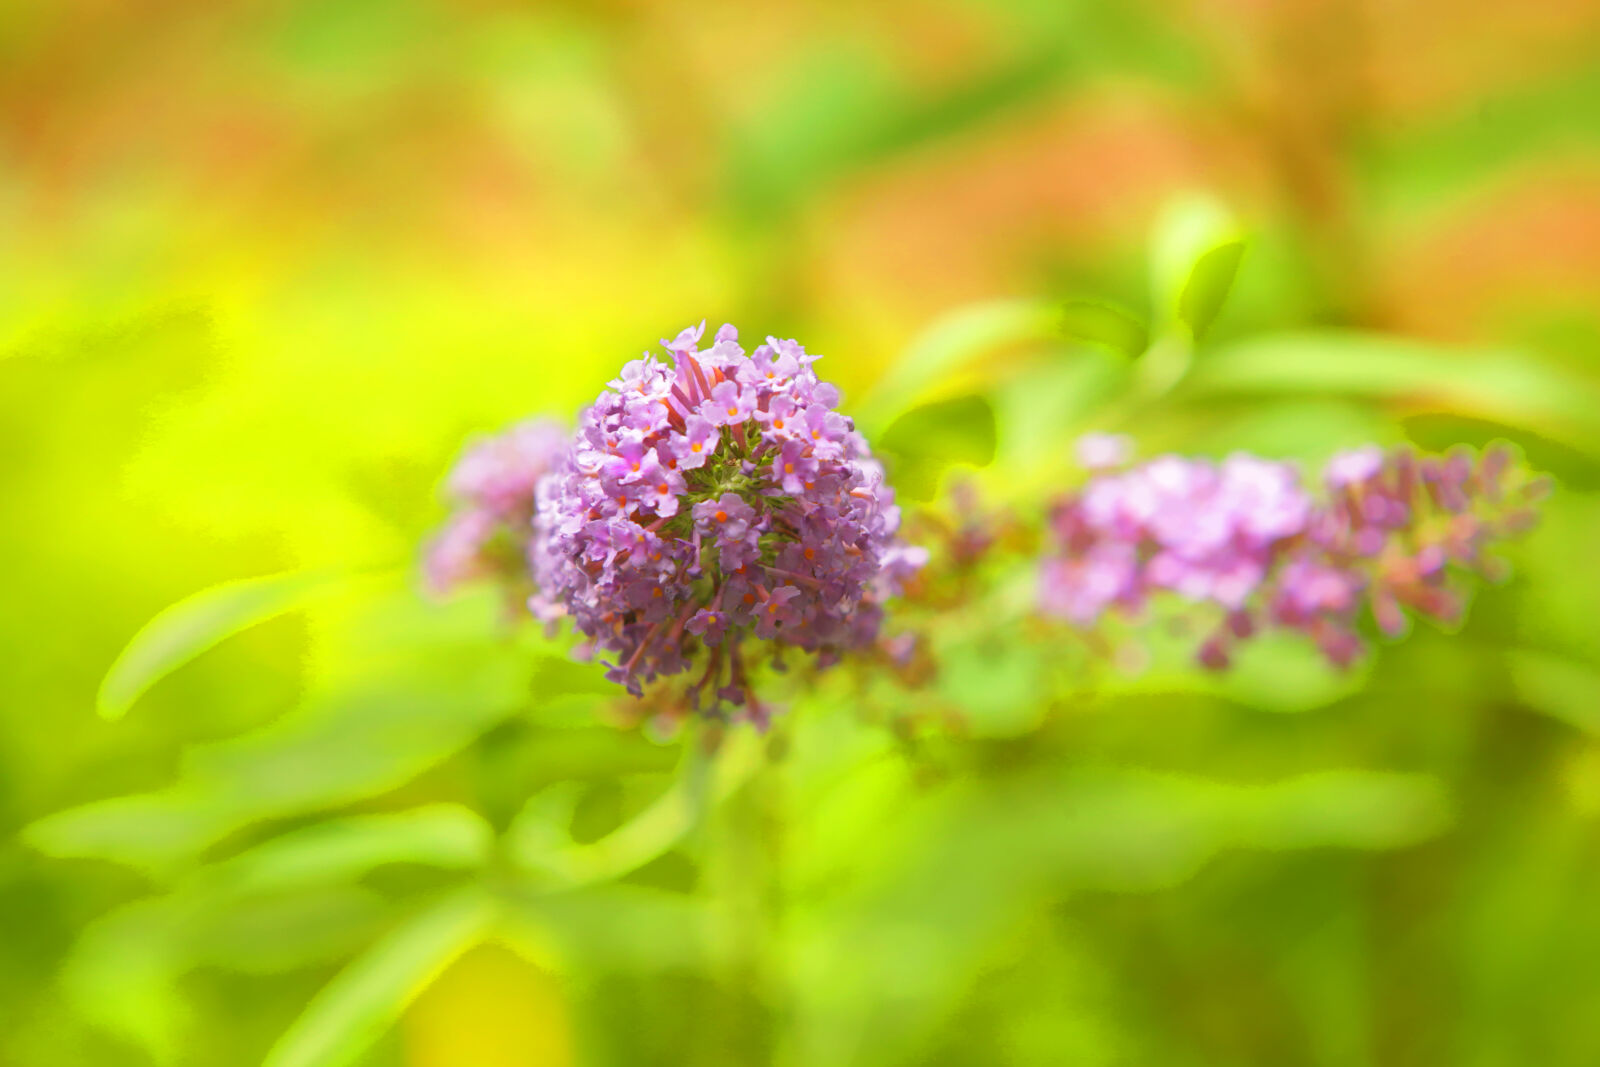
(1195, 256)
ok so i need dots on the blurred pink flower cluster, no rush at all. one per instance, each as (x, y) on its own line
(1390, 533)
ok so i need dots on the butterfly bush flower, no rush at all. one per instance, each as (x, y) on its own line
(1103, 451)
(713, 504)
(1390, 534)
(492, 487)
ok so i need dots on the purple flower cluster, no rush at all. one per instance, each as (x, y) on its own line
(1244, 537)
(492, 488)
(712, 498)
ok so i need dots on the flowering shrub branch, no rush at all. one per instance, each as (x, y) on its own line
(715, 511)
(1392, 532)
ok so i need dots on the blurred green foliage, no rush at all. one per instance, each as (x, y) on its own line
(268, 265)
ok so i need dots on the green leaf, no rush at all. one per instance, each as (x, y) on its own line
(197, 623)
(922, 918)
(612, 927)
(1509, 387)
(1101, 324)
(145, 830)
(953, 342)
(1343, 809)
(841, 107)
(538, 840)
(437, 835)
(123, 977)
(1194, 256)
(364, 1000)
(280, 906)
(1556, 686)
(402, 705)
(364, 740)
(926, 440)
(278, 933)
(1208, 287)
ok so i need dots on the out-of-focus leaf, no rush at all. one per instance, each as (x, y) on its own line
(844, 108)
(536, 843)
(389, 713)
(1559, 687)
(611, 927)
(1194, 256)
(1570, 467)
(968, 863)
(950, 344)
(146, 830)
(191, 626)
(122, 975)
(1208, 286)
(1101, 324)
(365, 998)
(281, 932)
(1408, 375)
(815, 128)
(1280, 672)
(438, 835)
(365, 738)
(1342, 809)
(926, 440)
(1051, 403)
(272, 908)
(1304, 428)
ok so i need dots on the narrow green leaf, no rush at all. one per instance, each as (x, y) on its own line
(1101, 324)
(1342, 809)
(353, 1011)
(952, 343)
(437, 835)
(147, 831)
(1208, 286)
(191, 626)
(926, 440)
(1508, 387)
